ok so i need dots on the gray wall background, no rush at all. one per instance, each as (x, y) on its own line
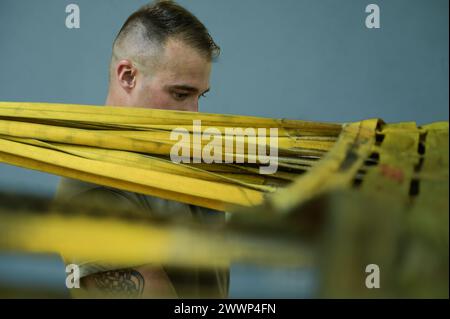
(302, 59)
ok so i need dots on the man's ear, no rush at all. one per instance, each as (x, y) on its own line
(126, 74)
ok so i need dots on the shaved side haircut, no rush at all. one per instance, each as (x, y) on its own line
(144, 34)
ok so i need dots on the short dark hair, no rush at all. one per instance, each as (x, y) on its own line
(166, 19)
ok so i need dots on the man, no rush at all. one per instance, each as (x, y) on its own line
(161, 59)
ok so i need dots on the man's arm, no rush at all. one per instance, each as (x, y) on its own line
(149, 281)
(140, 282)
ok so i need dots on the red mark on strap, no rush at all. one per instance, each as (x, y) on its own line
(392, 173)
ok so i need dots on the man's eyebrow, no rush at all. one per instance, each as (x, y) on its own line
(187, 88)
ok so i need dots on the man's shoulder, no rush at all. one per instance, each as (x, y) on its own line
(80, 192)
(76, 191)
(69, 188)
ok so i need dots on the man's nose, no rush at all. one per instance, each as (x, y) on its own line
(193, 107)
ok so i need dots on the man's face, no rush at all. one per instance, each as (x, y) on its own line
(179, 79)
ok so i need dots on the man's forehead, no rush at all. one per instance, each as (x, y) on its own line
(178, 55)
(181, 65)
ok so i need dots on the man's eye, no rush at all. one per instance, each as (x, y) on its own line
(203, 95)
(179, 96)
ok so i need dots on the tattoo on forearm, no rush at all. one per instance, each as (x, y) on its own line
(126, 283)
